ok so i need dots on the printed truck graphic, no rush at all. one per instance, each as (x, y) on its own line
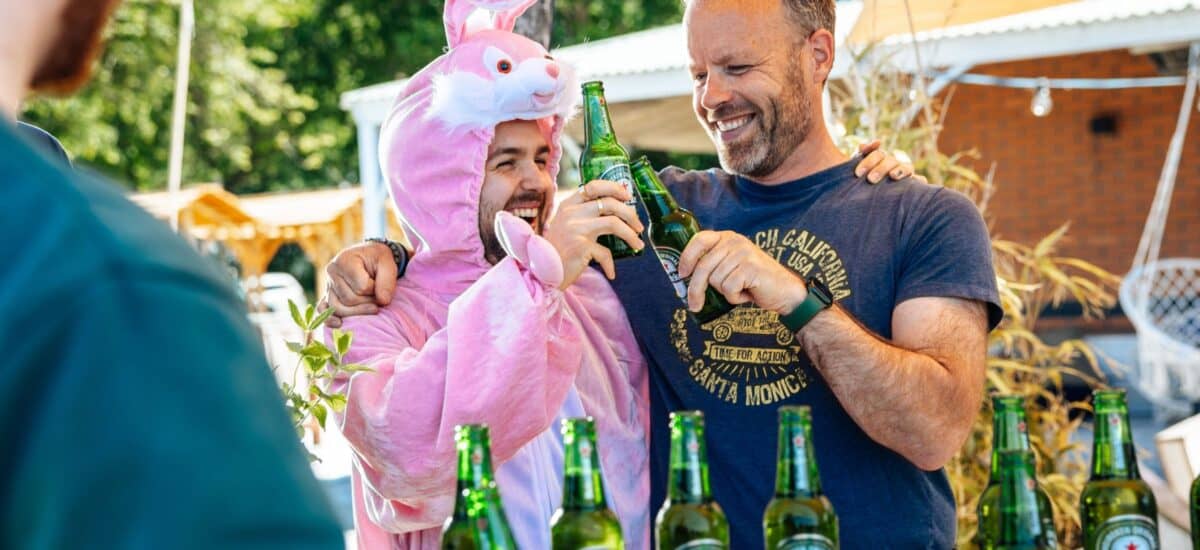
(749, 320)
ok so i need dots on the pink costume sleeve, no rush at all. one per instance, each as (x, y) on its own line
(506, 356)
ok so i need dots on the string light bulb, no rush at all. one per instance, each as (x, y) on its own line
(1042, 103)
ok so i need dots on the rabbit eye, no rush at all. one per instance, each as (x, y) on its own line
(504, 66)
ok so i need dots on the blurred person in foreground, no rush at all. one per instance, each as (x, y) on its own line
(44, 141)
(138, 410)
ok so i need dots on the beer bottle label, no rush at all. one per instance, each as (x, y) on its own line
(805, 541)
(620, 173)
(1127, 532)
(702, 544)
(669, 257)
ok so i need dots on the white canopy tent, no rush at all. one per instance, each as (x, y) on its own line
(649, 89)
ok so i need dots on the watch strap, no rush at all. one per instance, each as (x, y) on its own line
(816, 301)
(399, 253)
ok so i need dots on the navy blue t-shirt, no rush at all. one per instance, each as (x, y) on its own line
(874, 246)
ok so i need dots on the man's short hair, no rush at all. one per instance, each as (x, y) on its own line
(811, 15)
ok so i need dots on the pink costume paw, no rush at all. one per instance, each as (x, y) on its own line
(529, 250)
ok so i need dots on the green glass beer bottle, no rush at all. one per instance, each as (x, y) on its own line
(690, 519)
(800, 517)
(671, 227)
(1021, 525)
(603, 158)
(584, 520)
(1116, 508)
(478, 522)
(1009, 433)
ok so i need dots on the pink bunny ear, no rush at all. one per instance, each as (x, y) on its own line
(457, 12)
(455, 16)
(506, 15)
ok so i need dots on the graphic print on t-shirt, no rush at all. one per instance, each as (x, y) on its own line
(805, 253)
(747, 356)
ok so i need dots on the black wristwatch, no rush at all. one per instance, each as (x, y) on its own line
(819, 299)
(399, 253)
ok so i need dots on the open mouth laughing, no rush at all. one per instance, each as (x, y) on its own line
(530, 213)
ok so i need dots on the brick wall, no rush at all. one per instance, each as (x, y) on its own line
(1053, 169)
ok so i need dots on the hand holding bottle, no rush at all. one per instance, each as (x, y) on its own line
(597, 209)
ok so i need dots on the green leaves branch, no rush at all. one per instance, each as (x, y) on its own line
(321, 365)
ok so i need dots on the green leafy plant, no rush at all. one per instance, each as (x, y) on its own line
(875, 97)
(307, 399)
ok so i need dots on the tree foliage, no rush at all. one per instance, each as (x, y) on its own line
(245, 124)
(577, 21)
(266, 80)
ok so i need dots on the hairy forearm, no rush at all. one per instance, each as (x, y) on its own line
(917, 402)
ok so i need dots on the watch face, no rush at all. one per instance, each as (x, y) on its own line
(819, 290)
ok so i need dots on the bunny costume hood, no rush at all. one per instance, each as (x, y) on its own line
(434, 144)
(465, 341)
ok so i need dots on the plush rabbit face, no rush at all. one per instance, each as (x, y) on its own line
(496, 76)
(434, 144)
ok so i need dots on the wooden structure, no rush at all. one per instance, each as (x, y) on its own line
(253, 227)
(881, 19)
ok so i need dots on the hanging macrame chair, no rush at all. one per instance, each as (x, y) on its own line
(1162, 297)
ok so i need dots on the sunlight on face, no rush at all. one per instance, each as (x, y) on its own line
(750, 91)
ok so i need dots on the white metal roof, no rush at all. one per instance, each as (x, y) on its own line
(1063, 15)
(1065, 29)
(656, 49)
(386, 91)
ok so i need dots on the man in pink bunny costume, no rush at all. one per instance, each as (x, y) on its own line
(497, 320)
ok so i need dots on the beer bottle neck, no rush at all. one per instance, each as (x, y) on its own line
(475, 464)
(583, 489)
(1113, 455)
(659, 203)
(487, 511)
(658, 200)
(796, 474)
(1009, 433)
(688, 480)
(462, 491)
(598, 128)
(1019, 514)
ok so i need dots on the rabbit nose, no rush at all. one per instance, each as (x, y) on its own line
(552, 70)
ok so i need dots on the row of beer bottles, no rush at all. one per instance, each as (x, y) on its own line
(798, 516)
(1117, 509)
(670, 227)
(583, 521)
